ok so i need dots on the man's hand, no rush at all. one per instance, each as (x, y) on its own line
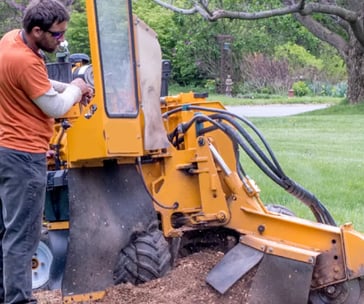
(86, 90)
(86, 98)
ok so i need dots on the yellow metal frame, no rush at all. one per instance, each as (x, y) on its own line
(93, 296)
(61, 225)
(190, 178)
(90, 141)
(210, 198)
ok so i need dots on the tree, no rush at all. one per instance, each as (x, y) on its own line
(77, 33)
(194, 45)
(20, 5)
(10, 16)
(11, 12)
(336, 22)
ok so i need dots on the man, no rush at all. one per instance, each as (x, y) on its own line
(28, 103)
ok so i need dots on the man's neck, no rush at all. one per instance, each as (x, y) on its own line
(29, 43)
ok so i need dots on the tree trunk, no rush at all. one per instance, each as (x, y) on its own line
(355, 70)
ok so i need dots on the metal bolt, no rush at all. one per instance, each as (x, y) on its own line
(330, 290)
(201, 141)
(221, 216)
(261, 229)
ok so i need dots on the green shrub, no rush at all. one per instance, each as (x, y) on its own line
(328, 89)
(298, 57)
(337, 90)
(210, 85)
(300, 88)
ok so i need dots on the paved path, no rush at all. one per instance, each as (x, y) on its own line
(274, 110)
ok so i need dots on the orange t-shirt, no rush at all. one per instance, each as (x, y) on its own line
(23, 77)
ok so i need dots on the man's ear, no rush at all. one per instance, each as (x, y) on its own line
(36, 31)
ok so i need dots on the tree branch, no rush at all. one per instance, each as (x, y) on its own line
(294, 8)
(328, 9)
(353, 19)
(21, 7)
(324, 34)
(203, 10)
(15, 5)
(349, 20)
(190, 11)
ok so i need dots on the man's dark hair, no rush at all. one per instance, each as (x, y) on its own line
(44, 13)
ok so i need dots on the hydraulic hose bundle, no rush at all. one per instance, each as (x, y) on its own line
(233, 126)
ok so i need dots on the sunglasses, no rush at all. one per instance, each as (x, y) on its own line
(57, 35)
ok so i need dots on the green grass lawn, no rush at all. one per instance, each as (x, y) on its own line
(324, 152)
(173, 90)
(231, 101)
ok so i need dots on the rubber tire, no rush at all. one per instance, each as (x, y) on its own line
(215, 239)
(147, 257)
(361, 284)
(44, 241)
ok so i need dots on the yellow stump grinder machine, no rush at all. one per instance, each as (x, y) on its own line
(139, 177)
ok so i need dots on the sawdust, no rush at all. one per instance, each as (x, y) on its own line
(184, 284)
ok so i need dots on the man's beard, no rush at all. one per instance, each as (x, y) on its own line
(45, 47)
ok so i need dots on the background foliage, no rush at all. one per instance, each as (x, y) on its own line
(261, 58)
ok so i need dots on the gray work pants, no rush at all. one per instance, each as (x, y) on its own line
(22, 195)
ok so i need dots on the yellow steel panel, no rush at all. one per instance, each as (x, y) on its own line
(289, 229)
(354, 249)
(85, 138)
(84, 297)
(280, 249)
(92, 140)
(123, 137)
(63, 225)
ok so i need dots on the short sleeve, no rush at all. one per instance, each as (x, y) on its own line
(34, 80)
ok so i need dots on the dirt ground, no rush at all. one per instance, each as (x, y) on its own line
(185, 283)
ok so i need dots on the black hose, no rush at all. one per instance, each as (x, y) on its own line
(266, 168)
(269, 165)
(310, 200)
(276, 169)
(234, 136)
(140, 170)
(242, 119)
